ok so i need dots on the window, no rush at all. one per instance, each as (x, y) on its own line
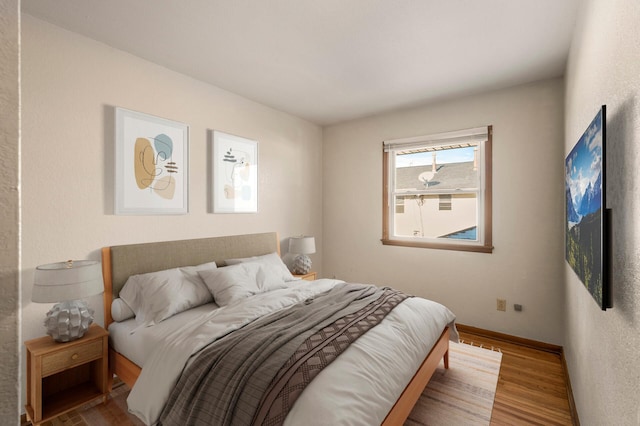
(437, 191)
(445, 201)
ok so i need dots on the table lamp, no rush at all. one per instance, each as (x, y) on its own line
(65, 283)
(302, 246)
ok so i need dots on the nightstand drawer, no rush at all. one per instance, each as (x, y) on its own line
(75, 355)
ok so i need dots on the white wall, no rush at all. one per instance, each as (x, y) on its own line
(526, 266)
(71, 85)
(9, 210)
(602, 347)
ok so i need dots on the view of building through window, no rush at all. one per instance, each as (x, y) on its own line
(436, 189)
(439, 197)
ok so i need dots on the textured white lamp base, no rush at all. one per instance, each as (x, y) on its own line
(68, 321)
(302, 264)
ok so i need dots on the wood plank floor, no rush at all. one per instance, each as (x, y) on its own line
(531, 387)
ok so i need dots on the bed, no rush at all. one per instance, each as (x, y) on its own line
(133, 346)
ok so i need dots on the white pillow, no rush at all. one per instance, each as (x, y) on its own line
(272, 262)
(236, 282)
(120, 311)
(191, 272)
(156, 296)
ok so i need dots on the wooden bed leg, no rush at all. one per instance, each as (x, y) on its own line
(446, 359)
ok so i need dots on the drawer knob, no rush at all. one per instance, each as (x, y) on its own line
(74, 356)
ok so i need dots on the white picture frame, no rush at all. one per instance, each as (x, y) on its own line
(234, 162)
(151, 165)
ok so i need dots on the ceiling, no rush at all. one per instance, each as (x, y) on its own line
(330, 61)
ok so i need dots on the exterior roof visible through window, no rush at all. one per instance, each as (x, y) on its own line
(450, 176)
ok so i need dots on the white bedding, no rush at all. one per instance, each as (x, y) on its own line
(385, 364)
(138, 346)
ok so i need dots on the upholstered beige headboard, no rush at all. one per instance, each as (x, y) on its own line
(120, 262)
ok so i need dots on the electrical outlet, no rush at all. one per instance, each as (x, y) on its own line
(501, 305)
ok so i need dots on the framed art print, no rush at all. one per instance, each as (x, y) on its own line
(152, 164)
(586, 220)
(235, 174)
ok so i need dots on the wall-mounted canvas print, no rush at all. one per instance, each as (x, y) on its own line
(586, 214)
(235, 174)
(152, 167)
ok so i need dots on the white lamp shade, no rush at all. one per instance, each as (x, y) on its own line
(302, 245)
(63, 281)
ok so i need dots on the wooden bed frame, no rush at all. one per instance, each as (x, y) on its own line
(119, 262)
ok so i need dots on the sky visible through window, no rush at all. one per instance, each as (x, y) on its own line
(456, 155)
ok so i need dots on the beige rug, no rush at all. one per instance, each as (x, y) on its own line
(463, 394)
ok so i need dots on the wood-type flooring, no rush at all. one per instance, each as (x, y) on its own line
(532, 387)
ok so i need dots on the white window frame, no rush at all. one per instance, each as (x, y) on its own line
(480, 135)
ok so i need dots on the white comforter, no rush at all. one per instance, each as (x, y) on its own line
(387, 357)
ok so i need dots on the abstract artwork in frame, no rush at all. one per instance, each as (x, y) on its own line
(586, 225)
(152, 165)
(235, 174)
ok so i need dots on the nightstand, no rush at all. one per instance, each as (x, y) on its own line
(63, 376)
(311, 276)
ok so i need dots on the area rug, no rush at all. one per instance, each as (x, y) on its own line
(463, 394)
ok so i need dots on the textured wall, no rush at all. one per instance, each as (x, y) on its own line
(526, 266)
(9, 210)
(602, 347)
(70, 86)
